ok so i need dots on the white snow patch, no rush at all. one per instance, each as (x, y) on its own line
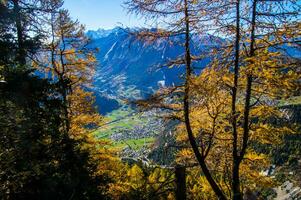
(161, 83)
(111, 49)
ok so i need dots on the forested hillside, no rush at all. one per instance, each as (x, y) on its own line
(202, 102)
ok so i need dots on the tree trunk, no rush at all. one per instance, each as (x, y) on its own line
(180, 173)
(237, 194)
(21, 54)
(235, 165)
(217, 190)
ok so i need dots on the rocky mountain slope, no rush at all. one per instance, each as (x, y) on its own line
(130, 69)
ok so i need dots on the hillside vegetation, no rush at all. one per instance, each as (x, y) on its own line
(202, 103)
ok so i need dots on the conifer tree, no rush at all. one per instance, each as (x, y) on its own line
(71, 66)
(249, 74)
(40, 158)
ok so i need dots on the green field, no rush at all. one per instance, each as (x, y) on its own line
(134, 144)
(120, 120)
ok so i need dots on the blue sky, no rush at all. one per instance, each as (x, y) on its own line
(101, 13)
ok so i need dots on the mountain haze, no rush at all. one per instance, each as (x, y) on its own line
(130, 68)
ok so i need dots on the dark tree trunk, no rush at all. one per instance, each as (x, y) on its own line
(21, 53)
(180, 173)
(217, 190)
(237, 194)
(235, 165)
(246, 128)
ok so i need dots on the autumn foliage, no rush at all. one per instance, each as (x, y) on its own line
(226, 117)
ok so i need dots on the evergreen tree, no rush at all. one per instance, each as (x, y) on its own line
(40, 158)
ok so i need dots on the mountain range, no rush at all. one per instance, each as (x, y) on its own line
(131, 69)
